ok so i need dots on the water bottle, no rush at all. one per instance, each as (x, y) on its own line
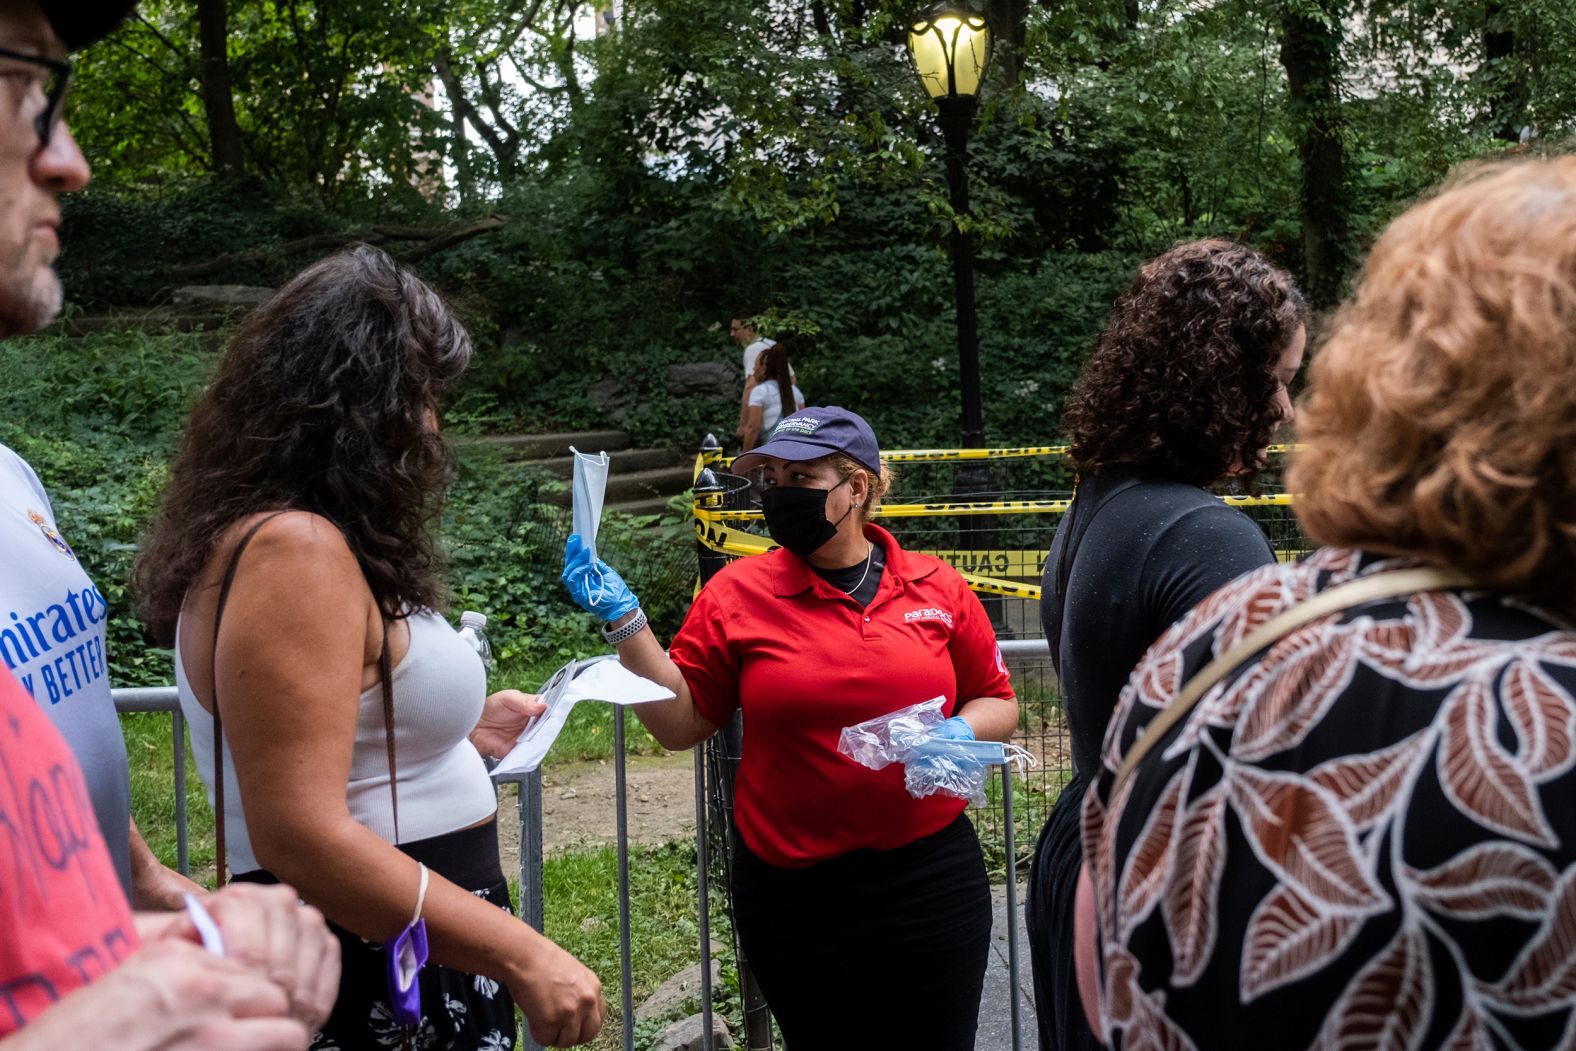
(473, 629)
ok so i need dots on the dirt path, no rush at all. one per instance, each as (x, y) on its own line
(578, 802)
(578, 798)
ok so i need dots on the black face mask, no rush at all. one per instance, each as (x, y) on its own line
(796, 517)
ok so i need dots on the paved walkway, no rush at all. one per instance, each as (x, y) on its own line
(995, 1031)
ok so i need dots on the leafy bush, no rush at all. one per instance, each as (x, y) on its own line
(99, 417)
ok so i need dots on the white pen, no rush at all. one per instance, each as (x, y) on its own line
(207, 930)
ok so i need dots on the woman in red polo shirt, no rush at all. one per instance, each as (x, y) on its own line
(865, 912)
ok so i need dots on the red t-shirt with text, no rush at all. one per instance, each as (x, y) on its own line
(803, 660)
(64, 920)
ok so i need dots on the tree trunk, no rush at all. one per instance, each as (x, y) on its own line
(464, 181)
(1507, 84)
(1009, 21)
(1311, 54)
(224, 134)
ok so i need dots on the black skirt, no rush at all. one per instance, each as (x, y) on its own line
(460, 1012)
(873, 949)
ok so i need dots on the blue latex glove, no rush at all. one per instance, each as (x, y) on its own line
(956, 728)
(949, 761)
(594, 585)
(954, 739)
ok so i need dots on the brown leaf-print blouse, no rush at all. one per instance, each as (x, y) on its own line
(1366, 838)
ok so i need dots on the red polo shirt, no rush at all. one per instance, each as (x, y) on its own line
(803, 661)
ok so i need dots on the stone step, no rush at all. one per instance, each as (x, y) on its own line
(663, 481)
(624, 461)
(549, 446)
(143, 319)
(651, 505)
(637, 485)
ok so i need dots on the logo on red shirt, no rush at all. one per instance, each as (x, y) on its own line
(928, 614)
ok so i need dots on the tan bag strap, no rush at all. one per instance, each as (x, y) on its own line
(1353, 593)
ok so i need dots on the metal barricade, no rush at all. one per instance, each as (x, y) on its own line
(532, 851)
(136, 699)
(728, 526)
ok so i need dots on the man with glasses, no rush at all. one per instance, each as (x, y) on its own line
(247, 968)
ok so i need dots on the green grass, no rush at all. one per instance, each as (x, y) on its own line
(153, 793)
(581, 900)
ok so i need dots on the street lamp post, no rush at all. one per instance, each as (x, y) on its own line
(950, 46)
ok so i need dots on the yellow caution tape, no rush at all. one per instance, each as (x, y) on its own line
(1022, 563)
(1025, 452)
(944, 455)
(966, 508)
(1271, 500)
(1008, 588)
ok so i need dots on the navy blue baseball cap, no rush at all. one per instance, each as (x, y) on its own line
(818, 431)
(80, 22)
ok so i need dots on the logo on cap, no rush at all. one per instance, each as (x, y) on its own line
(797, 425)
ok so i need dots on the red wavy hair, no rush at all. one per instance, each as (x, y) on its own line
(1441, 415)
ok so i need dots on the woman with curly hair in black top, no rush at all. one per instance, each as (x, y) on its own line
(1185, 389)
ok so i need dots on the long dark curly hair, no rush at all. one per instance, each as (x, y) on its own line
(322, 403)
(1182, 381)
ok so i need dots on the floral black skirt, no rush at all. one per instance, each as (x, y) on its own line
(460, 1012)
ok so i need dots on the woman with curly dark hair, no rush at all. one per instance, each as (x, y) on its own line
(292, 568)
(1186, 387)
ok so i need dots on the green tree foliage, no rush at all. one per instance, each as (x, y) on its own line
(698, 157)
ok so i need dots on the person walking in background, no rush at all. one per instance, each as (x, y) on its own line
(1185, 388)
(77, 967)
(1360, 835)
(773, 396)
(742, 330)
(341, 725)
(865, 912)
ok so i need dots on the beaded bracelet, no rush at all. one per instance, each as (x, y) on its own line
(614, 636)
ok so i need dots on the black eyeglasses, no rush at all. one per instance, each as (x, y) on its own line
(56, 81)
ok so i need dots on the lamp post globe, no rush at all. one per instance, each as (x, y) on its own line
(950, 48)
(950, 45)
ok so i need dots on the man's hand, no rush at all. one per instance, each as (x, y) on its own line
(155, 888)
(560, 998)
(503, 720)
(267, 929)
(170, 996)
(160, 889)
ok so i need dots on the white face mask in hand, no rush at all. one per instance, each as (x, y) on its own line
(587, 488)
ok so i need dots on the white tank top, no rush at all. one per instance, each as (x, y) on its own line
(439, 688)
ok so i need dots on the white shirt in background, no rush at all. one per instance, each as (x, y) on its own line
(769, 397)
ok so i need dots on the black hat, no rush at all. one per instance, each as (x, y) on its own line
(80, 22)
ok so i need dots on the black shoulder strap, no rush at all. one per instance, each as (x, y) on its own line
(220, 855)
